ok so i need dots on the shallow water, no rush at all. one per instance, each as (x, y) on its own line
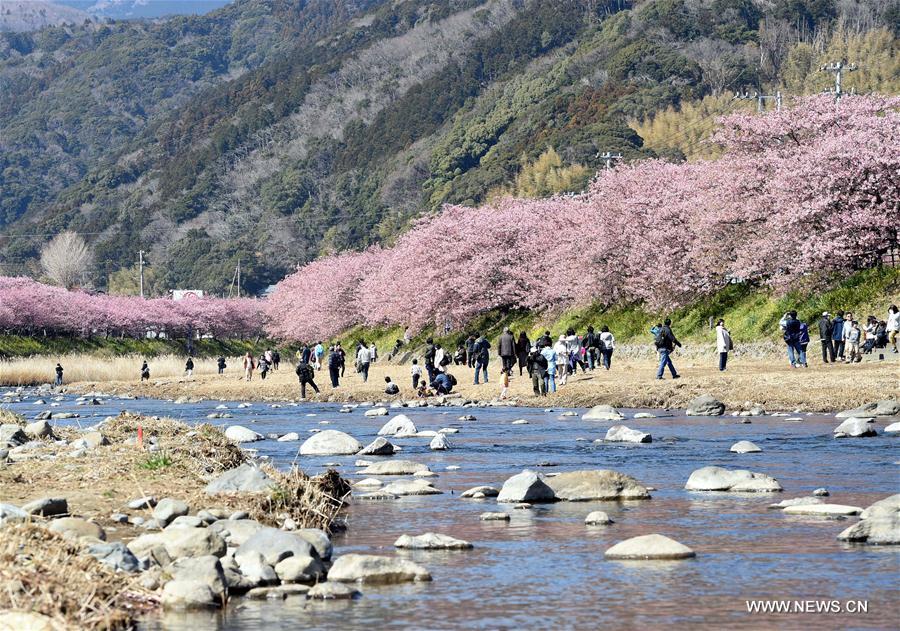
(545, 568)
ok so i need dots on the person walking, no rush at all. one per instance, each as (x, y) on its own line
(306, 354)
(723, 344)
(416, 373)
(430, 351)
(189, 367)
(790, 327)
(665, 343)
(334, 367)
(545, 340)
(837, 335)
(506, 348)
(59, 374)
(373, 353)
(573, 352)
(276, 359)
(892, 326)
(263, 365)
(320, 354)
(221, 365)
(340, 351)
(523, 347)
(307, 376)
(848, 325)
(145, 371)
(482, 357)
(470, 351)
(363, 361)
(803, 342)
(826, 327)
(591, 343)
(249, 365)
(607, 342)
(537, 368)
(439, 356)
(549, 355)
(561, 349)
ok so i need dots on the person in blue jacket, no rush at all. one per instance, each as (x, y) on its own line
(837, 335)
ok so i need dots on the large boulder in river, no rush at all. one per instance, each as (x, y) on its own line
(395, 467)
(180, 542)
(527, 486)
(887, 407)
(431, 541)
(243, 479)
(887, 506)
(369, 568)
(602, 413)
(622, 434)
(240, 434)
(378, 447)
(330, 443)
(744, 447)
(275, 545)
(855, 427)
(400, 424)
(596, 485)
(411, 487)
(879, 524)
(649, 548)
(732, 480)
(705, 405)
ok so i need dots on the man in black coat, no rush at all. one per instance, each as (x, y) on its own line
(665, 344)
(306, 375)
(826, 328)
(506, 348)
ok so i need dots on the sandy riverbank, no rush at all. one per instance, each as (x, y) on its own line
(767, 380)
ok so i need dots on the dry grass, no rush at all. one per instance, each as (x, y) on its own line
(762, 377)
(309, 502)
(42, 572)
(30, 371)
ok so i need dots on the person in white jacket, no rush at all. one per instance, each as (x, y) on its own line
(893, 326)
(562, 359)
(723, 343)
(607, 344)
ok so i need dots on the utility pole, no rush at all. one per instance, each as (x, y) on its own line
(838, 68)
(609, 157)
(141, 267)
(239, 279)
(760, 99)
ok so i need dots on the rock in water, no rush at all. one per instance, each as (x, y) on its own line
(494, 516)
(879, 524)
(744, 447)
(377, 412)
(622, 434)
(705, 405)
(527, 486)
(243, 479)
(330, 590)
(887, 407)
(596, 485)
(486, 491)
(439, 443)
(368, 568)
(299, 569)
(856, 428)
(597, 518)
(240, 434)
(275, 545)
(648, 548)
(602, 413)
(116, 555)
(796, 501)
(825, 510)
(893, 428)
(379, 447)
(432, 541)
(395, 467)
(330, 443)
(732, 480)
(289, 437)
(410, 487)
(400, 424)
(188, 595)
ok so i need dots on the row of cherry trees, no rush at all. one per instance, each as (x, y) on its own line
(29, 307)
(799, 196)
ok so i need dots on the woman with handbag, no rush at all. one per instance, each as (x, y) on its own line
(723, 344)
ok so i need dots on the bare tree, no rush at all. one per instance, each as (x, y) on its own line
(65, 259)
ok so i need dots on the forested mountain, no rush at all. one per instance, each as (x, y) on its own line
(272, 131)
(33, 15)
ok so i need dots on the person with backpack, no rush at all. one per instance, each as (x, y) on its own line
(665, 343)
(306, 375)
(319, 352)
(523, 346)
(826, 327)
(607, 343)
(145, 371)
(482, 357)
(537, 368)
(59, 374)
(506, 349)
(220, 363)
(837, 335)
(723, 344)
(189, 367)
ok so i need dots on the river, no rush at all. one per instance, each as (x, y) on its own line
(545, 569)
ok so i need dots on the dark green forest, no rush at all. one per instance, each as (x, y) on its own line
(270, 131)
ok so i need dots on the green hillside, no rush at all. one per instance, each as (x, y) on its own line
(269, 132)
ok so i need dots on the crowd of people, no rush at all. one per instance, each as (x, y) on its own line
(842, 337)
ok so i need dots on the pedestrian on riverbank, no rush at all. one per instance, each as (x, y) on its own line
(561, 350)
(790, 327)
(537, 369)
(276, 359)
(591, 344)
(848, 325)
(550, 375)
(607, 346)
(470, 351)
(248, 366)
(220, 363)
(416, 373)
(665, 343)
(852, 338)
(189, 367)
(263, 365)
(506, 349)
(723, 344)
(59, 374)
(482, 357)
(837, 335)
(573, 351)
(440, 355)
(268, 356)
(892, 326)
(871, 335)
(373, 353)
(306, 375)
(343, 354)
(523, 346)
(363, 361)
(443, 383)
(544, 340)
(390, 387)
(306, 354)
(803, 342)
(430, 350)
(334, 367)
(145, 371)
(826, 327)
